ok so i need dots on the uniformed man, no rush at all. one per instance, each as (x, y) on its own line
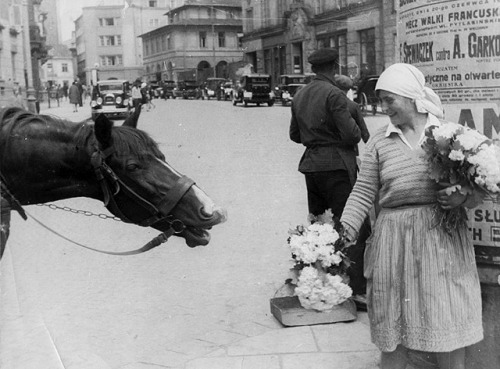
(322, 123)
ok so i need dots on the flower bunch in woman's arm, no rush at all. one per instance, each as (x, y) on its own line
(467, 166)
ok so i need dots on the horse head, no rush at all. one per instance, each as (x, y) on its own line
(140, 187)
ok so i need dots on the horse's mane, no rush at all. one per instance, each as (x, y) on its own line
(126, 140)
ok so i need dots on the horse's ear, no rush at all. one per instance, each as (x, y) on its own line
(132, 119)
(102, 130)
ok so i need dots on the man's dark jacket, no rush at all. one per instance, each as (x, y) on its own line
(321, 121)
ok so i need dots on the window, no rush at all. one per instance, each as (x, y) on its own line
(163, 43)
(106, 22)
(110, 60)
(153, 3)
(338, 41)
(110, 40)
(222, 39)
(203, 39)
(265, 17)
(249, 19)
(64, 67)
(49, 66)
(153, 22)
(14, 71)
(367, 51)
(169, 43)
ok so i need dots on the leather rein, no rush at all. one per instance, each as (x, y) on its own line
(112, 186)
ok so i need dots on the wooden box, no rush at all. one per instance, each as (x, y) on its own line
(288, 311)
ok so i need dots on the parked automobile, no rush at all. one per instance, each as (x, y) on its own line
(168, 88)
(214, 88)
(288, 85)
(364, 93)
(227, 89)
(156, 90)
(188, 89)
(255, 89)
(111, 98)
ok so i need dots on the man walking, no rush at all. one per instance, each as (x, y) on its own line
(322, 123)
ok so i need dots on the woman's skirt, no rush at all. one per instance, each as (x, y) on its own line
(422, 284)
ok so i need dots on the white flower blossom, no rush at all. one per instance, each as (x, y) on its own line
(456, 155)
(447, 131)
(321, 291)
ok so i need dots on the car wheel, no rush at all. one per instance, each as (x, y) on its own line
(270, 103)
(235, 102)
(245, 103)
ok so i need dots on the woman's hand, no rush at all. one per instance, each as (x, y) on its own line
(450, 197)
(350, 234)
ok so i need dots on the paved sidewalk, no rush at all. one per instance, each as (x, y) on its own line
(270, 345)
(65, 110)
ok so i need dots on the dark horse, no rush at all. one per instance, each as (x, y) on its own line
(44, 159)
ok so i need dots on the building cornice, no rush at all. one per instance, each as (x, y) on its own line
(188, 6)
(193, 23)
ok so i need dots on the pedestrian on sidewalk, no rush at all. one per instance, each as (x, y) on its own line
(65, 89)
(74, 96)
(423, 287)
(322, 123)
(136, 93)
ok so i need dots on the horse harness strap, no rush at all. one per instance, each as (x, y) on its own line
(11, 199)
(112, 185)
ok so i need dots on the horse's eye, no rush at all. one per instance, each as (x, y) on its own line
(132, 166)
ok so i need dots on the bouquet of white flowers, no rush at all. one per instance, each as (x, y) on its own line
(320, 263)
(465, 159)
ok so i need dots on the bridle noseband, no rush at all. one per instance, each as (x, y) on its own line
(112, 186)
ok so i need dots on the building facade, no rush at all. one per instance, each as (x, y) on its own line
(200, 40)
(107, 42)
(58, 69)
(280, 35)
(22, 48)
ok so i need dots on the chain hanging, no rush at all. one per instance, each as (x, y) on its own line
(82, 212)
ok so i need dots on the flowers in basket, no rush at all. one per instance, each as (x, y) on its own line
(320, 264)
(465, 159)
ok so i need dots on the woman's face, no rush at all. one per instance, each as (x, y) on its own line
(401, 110)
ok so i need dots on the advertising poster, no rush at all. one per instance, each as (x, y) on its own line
(456, 44)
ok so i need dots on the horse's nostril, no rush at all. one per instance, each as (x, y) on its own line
(207, 210)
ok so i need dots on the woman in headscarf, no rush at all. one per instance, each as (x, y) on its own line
(422, 284)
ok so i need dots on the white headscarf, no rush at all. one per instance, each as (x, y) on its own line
(406, 80)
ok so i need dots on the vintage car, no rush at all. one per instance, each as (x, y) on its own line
(187, 89)
(111, 98)
(168, 89)
(227, 89)
(214, 88)
(255, 89)
(288, 85)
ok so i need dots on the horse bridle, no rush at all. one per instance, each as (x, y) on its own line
(112, 185)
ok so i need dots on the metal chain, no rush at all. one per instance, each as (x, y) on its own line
(83, 212)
